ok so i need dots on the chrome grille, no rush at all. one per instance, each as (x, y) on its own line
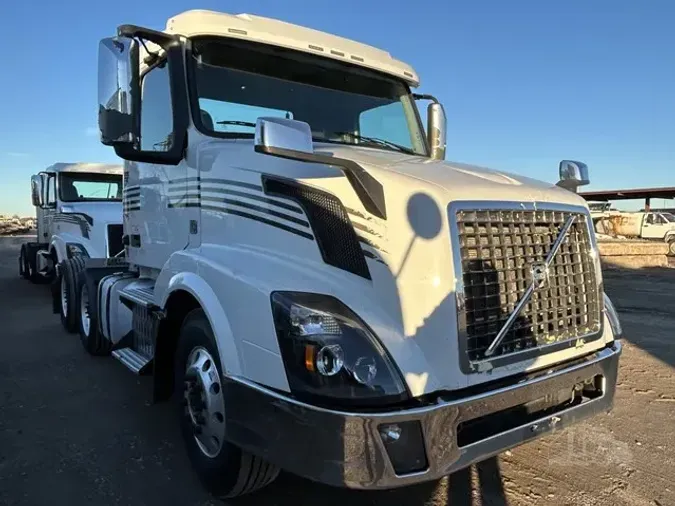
(498, 249)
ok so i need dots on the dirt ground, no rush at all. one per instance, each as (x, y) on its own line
(78, 430)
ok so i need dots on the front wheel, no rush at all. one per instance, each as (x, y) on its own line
(224, 469)
(671, 248)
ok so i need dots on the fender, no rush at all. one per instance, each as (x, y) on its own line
(670, 236)
(202, 292)
(59, 246)
(59, 242)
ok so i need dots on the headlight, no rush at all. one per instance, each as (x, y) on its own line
(75, 250)
(613, 318)
(329, 352)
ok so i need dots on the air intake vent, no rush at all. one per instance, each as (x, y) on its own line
(332, 228)
(114, 240)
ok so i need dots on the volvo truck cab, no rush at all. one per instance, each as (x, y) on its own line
(313, 284)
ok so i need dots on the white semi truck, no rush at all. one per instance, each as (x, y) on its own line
(316, 288)
(78, 215)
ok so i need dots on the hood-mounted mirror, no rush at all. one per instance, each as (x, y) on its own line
(573, 174)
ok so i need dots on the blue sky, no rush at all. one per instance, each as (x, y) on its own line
(525, 83)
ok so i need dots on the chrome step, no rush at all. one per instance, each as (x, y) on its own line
(133, 360)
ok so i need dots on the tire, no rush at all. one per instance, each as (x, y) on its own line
(30, 253)
(90, 335)
(23, 263)
(671, 248)
(226, 471)
(68, 293)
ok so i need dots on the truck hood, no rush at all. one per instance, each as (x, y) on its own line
(455, 178)
(415, 275)
(100, 212)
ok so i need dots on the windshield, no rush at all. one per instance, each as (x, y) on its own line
(237, 83)
(669, 217)
(83, 187)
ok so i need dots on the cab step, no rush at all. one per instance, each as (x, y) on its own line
(139, 295)
(133, 360)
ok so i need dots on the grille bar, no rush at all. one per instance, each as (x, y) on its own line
(496, 251)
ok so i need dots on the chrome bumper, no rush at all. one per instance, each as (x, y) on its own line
(346, 448)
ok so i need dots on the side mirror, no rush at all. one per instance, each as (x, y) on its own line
(36, 190)
(573, 175)
(118, 89)
(279, 135)
(436, 130)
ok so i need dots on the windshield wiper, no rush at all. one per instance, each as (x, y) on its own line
(377, 141)
(239, 123)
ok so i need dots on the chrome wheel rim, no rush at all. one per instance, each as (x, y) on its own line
(203, 401)
(64, 296)
(84, 310)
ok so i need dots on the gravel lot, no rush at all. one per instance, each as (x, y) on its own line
(78, 430)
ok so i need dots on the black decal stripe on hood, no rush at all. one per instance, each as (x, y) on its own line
(258, 219)
(207, 180)
(259, 209)
(84, 221)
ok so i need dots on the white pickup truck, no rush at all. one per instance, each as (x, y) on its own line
(314, 285)
(651, 226)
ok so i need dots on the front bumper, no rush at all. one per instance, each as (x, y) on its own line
(347, 448)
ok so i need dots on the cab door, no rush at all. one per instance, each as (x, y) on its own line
(48, 210)
(160, 223)
(654, 226)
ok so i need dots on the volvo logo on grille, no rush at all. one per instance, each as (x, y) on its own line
(539, 273)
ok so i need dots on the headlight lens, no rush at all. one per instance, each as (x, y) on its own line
(613, 318)
(329, 352)
(75, 249)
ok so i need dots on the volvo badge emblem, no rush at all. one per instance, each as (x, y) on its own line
(539, 273)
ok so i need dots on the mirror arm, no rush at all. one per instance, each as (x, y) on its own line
(424, 96)
(139, 32)
(367, 188)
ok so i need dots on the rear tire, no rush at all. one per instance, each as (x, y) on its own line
(68, 293)
(225, 470)
(90, 335)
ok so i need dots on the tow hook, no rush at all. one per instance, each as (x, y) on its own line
(550, 424)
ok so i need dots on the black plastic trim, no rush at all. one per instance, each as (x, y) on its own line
(367, 188)
(338, 243)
